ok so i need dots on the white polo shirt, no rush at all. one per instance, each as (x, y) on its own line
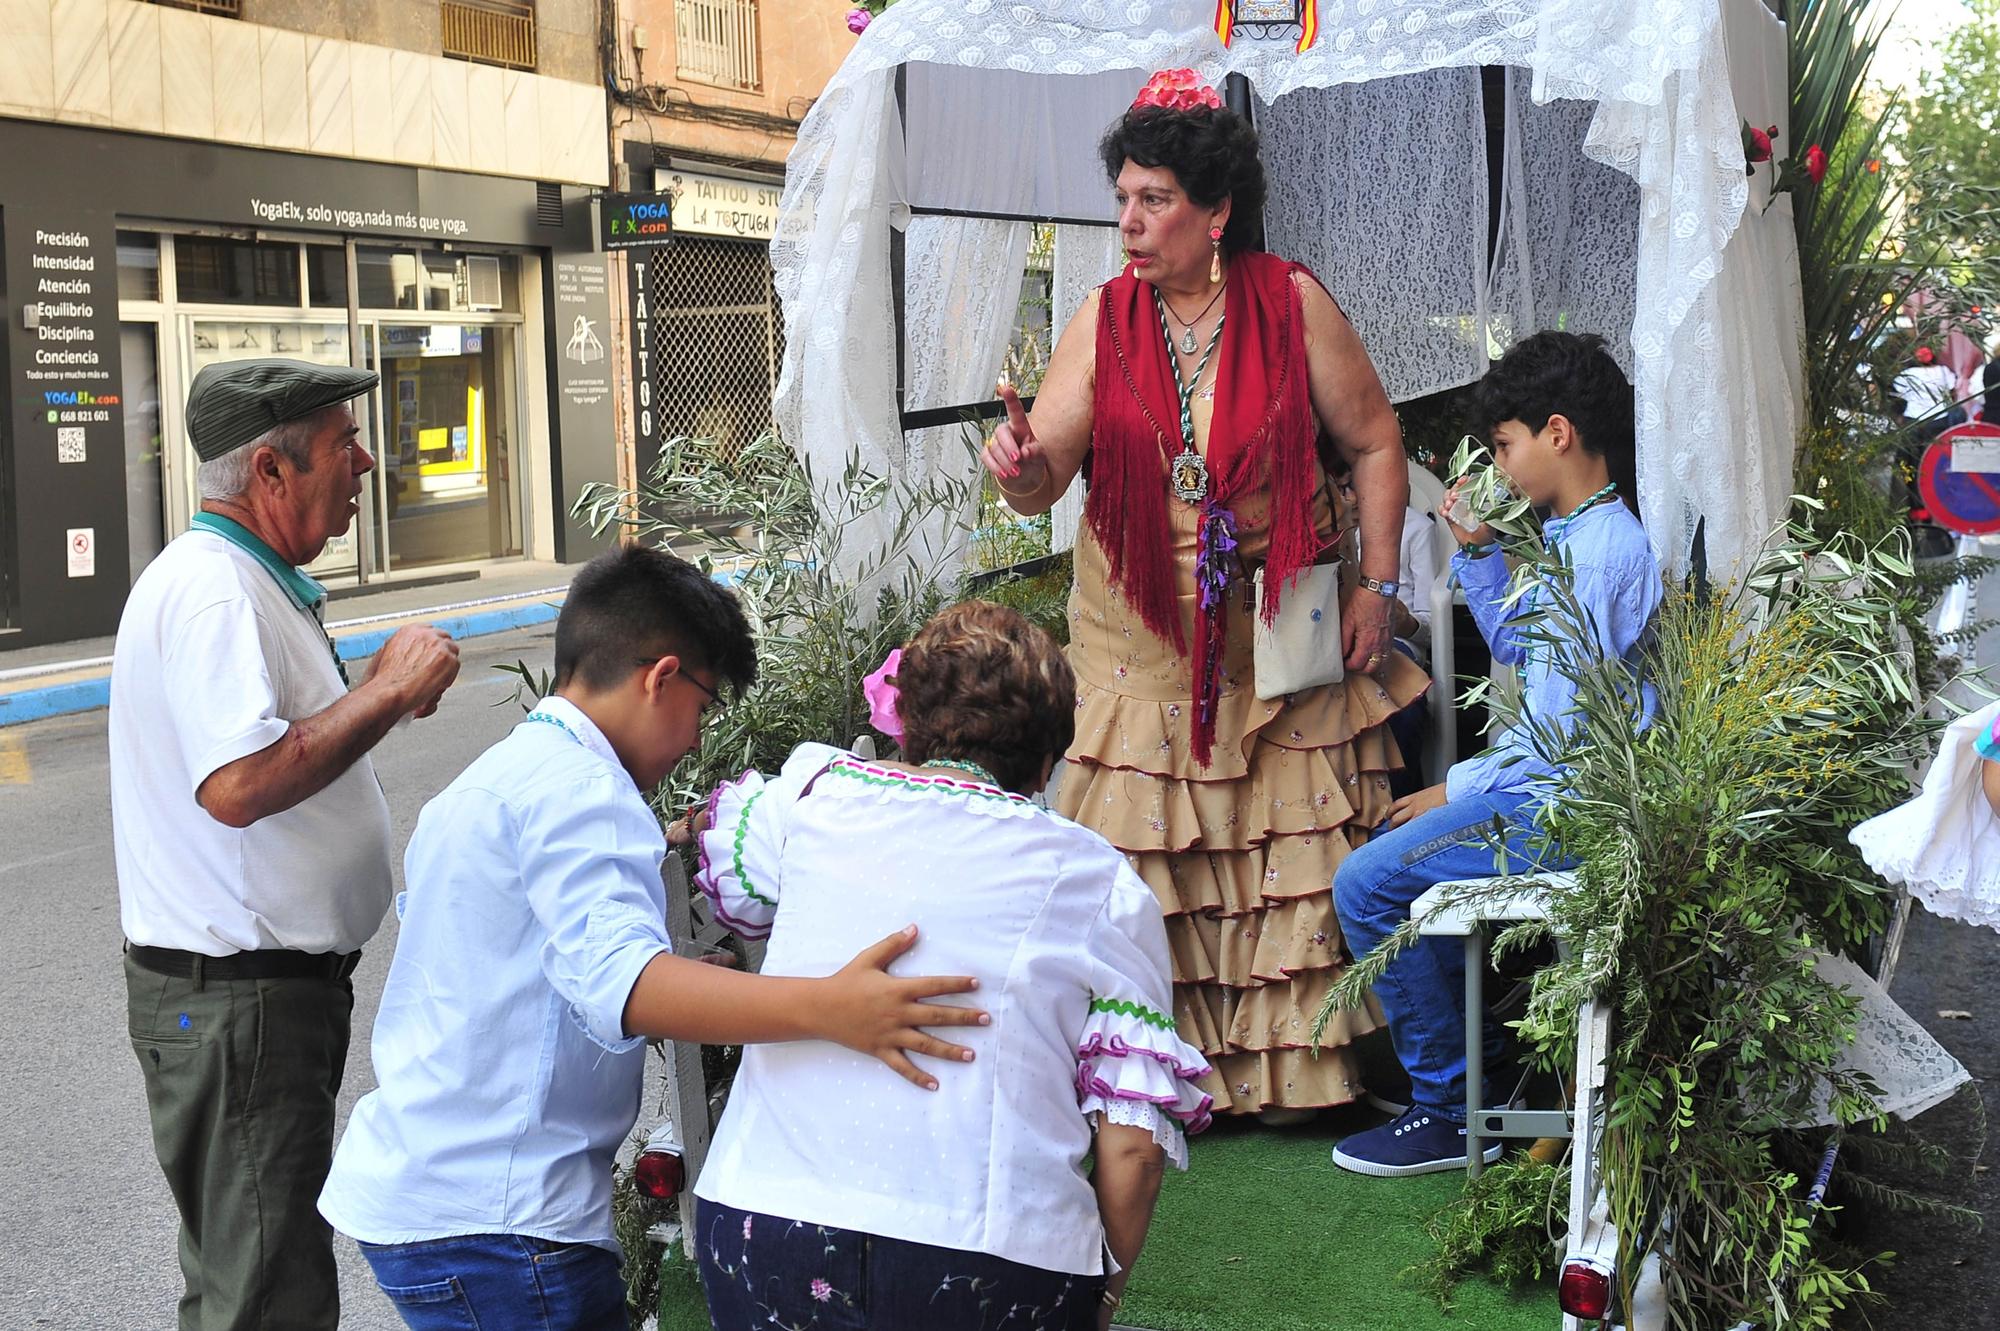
(215, 660)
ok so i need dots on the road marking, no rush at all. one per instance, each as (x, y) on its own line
(15, 769)
(50, 858)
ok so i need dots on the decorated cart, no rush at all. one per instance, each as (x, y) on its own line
(1457, 172)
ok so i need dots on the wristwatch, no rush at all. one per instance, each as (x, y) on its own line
(1381, 588)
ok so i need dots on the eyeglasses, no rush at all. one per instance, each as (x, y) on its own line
(714, 698)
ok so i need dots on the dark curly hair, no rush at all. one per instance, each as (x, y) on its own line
(638, 601)
(1212, 153)
(981, 684)
(1573, 376)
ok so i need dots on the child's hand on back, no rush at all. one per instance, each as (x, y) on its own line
(873, 1012)
(1989, 776)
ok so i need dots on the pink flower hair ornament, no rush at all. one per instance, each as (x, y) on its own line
(881, 692)
(1178, 90)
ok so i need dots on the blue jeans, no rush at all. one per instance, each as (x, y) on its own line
(1423, 991)
(761, 1271)
(501, 1282)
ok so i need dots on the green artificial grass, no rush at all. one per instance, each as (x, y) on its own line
(1264, 1233)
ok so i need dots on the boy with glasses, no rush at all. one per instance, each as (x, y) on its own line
(534, 964)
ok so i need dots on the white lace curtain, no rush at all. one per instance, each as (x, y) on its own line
(1086, 258)
(1656, 72)
(1568, 249)
(961, 295)
(1380, 189)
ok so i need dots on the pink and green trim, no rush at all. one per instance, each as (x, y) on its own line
(1187, 1104)
(856, 769)
(708, 880)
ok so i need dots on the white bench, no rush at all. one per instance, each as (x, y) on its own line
(1470, 919)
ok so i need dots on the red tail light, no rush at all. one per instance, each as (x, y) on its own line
(1585, 1292)
(660, 1174)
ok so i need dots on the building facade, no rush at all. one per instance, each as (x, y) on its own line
(404, 185)
(707, 95)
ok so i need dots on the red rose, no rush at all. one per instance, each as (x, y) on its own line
(1816, 163)
(1756, 145)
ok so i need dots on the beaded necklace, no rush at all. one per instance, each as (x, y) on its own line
(970, 769)
(558, 723)
(1555, 527)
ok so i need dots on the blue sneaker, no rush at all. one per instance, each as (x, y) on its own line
(1422, 1141)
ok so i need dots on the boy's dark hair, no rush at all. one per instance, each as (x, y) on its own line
(980, 683)
(1212, 153)
(639, 602)
(1573, 376)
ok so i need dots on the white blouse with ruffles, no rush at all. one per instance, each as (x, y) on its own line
(1070, 951)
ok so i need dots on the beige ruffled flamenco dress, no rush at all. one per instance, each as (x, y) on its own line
(1241, 853)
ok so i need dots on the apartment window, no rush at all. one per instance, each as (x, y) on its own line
(490, 32)
(715, 41)
(225, 8)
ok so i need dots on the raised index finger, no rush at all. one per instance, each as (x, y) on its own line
(1017, 415)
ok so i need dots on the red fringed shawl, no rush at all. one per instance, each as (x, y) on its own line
(1263, 422)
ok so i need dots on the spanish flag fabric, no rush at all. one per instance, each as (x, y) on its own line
(1225, 22)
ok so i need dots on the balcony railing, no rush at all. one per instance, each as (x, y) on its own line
(715, 41)
(491, 32)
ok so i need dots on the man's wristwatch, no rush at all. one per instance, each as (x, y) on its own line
(1381, 588)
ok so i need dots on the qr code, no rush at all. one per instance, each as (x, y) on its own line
(69, 443)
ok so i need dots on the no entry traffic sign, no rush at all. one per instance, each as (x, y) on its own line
(1960, 479)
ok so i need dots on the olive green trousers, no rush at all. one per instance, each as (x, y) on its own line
(241, 1078)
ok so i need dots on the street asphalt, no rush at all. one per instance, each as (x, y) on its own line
(90, 1228)
(89, 1225)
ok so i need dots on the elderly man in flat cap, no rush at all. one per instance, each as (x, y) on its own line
(252, 836)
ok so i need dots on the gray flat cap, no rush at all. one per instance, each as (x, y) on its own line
(231, 404)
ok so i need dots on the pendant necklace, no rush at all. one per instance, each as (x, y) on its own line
(1189, 474)
(1188, 345)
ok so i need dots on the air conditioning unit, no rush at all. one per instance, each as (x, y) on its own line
(481, 276)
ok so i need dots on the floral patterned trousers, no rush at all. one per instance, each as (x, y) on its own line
(775, 1274)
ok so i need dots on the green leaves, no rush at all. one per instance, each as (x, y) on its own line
(1712, 863)
(833, 572)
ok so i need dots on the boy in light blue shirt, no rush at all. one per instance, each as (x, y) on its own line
(1559, 413)
(534, 964)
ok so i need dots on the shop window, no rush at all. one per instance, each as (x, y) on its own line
(326, 275)
(490, 32)
(439, 280)
(214, 270)
(138, 265)
(715, 41)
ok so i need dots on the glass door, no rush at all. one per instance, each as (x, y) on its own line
(451, 410)
(215, 340)
(145, 495)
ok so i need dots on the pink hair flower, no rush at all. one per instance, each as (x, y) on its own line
(858, 20)
(1178, 90)
(881, 692)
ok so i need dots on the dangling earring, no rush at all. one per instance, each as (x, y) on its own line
(1214, 255)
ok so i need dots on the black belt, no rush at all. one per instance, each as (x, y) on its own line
(270, 964)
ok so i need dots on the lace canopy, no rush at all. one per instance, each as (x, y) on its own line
(1624, 210)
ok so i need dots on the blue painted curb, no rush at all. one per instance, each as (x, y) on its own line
(87, 695)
